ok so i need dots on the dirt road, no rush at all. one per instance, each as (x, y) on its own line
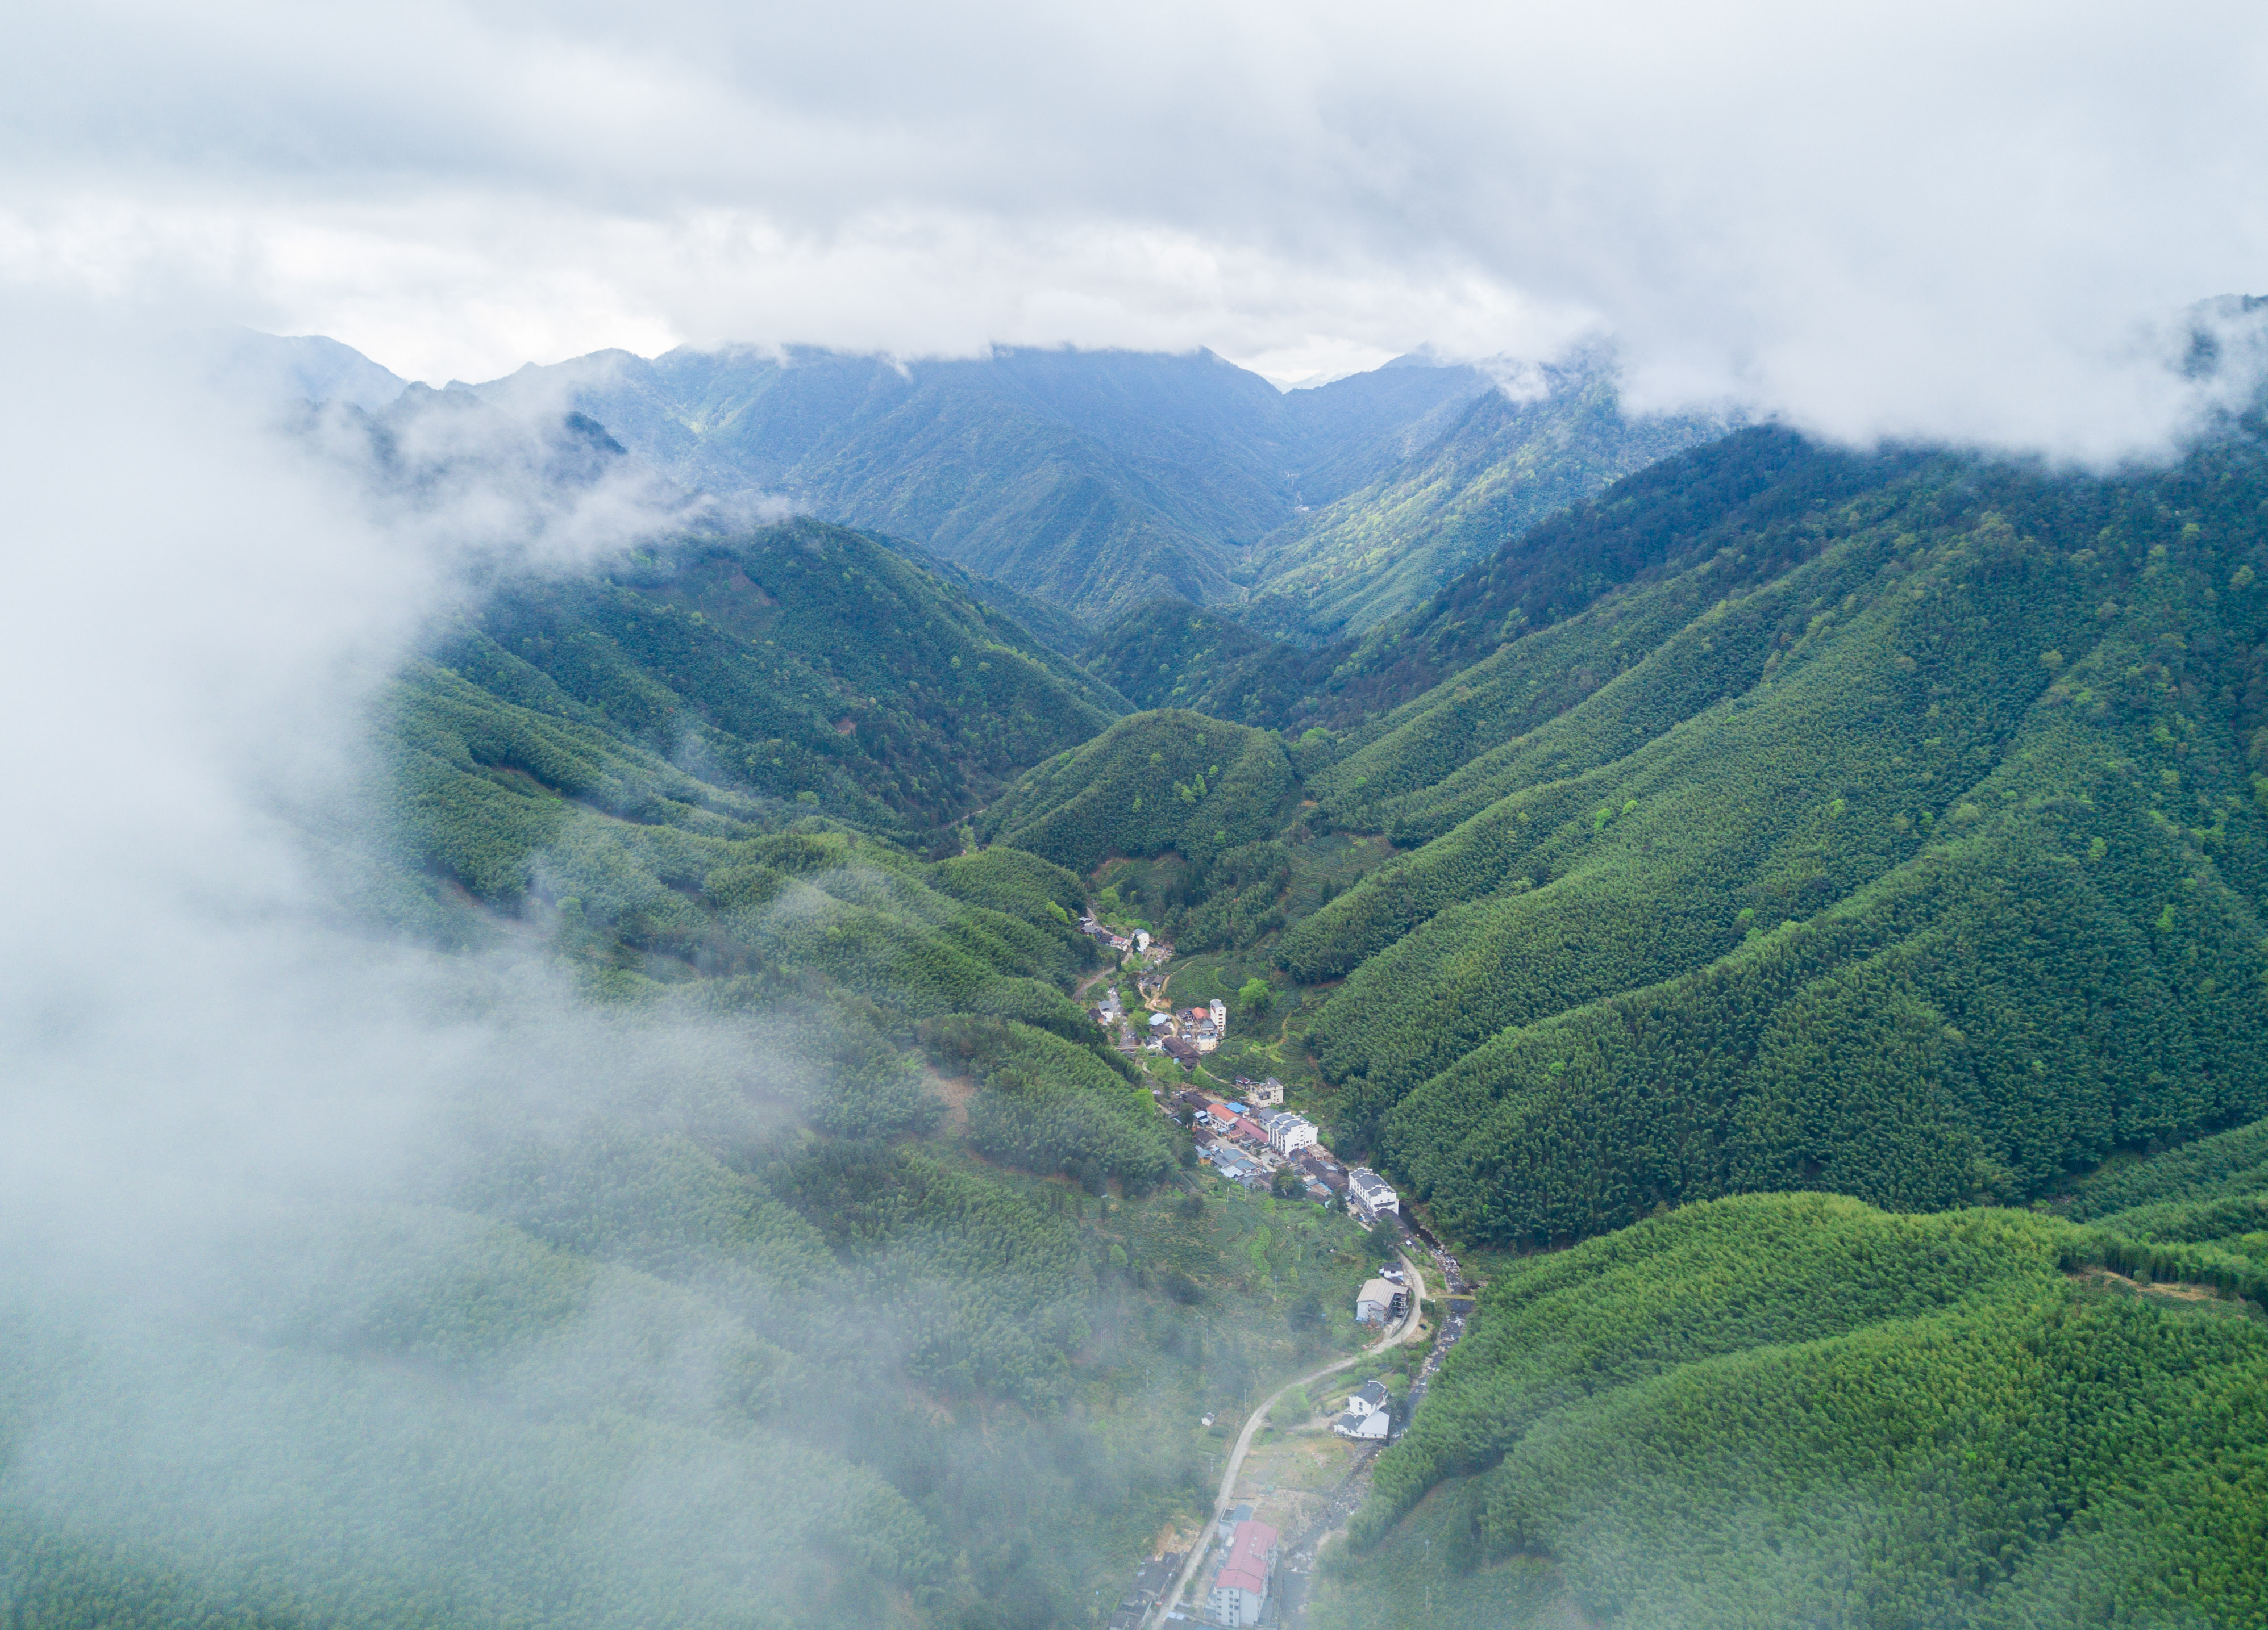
(1396, 1336)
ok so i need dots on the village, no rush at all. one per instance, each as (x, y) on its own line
(1250, 1138)
(1287, 1489)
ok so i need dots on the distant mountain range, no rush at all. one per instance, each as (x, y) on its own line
(1096, 482)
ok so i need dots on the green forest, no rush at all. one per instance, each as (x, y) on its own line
(1798, 1409)
(1793, 920)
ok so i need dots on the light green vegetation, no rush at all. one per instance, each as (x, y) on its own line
(798, 662)
(1509, 463)
(1150, 782)
(1798, 1409)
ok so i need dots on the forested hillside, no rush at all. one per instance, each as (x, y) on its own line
(1754, 484)
(797, 661)
(1153, 781)
(1795, 1409)
(1509, 463)
(1925, 868)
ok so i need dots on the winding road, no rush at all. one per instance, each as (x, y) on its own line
(1394, 1337)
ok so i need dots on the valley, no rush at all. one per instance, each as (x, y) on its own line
(1785, 923)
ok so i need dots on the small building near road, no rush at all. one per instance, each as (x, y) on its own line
(1240, 1589)
(1371, 1189)
(1380, 1302)
(1181, 1052)
(1321, 1168)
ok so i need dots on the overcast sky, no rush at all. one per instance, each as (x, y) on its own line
(1963, 219)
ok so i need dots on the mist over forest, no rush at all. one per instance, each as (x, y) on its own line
(1028, 821)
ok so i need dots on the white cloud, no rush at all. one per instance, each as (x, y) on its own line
(1922, 218)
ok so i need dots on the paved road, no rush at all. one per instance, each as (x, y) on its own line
(1396, 1336)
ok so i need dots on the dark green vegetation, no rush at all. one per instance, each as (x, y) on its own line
(1721, 500)
(1795, 1409)
(799, 662)
(1893, 832)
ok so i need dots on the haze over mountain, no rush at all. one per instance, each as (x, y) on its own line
(889, 944)
(1096, 481)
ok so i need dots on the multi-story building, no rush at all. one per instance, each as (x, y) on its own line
(1287, 1133)
(1240, 1589)
(1371, 1190)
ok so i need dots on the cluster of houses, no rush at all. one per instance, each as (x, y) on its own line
(1187, 1034)
(1247, 1144)
(1153, 952)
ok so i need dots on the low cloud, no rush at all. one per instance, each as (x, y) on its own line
(1912, 220)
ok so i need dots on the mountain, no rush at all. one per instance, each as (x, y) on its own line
(1092, 480)
(1895, 832)
(1711, 907)
(799, 662)
(1505, 464)
(1795, 1409)
(304, 368)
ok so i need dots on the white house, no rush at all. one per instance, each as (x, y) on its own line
(1287, 1133)
(1268, 1092)
(1368, 1188)
(1219, 1014)
(1369, 1413)
(1240, 1589)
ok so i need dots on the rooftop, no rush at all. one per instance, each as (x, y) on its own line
(1247, 1567)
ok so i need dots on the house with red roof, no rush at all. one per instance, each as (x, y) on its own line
(1240, 1589)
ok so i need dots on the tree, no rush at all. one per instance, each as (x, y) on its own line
(1253, 997)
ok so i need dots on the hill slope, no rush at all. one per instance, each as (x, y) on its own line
(1793, 1409)
(798, 661)
(1504, 466)
(1152, 781)
(1983, 740)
